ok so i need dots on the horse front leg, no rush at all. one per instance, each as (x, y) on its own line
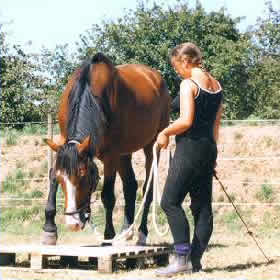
(108, 198)
(49, 236)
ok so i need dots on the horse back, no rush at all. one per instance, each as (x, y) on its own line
(142, 106)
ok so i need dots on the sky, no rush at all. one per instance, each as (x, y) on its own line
(52, 22)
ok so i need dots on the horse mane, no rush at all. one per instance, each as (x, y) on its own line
(101, 58)
(87, 115)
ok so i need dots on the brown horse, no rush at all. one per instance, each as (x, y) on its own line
(108, 112)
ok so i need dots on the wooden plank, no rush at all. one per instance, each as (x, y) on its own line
(79, 251)
(105, 264)
(38, 261)
(104, 256)
(68, 261)
(7, 258)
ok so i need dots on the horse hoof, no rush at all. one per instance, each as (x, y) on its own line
(49, 238)
(142, 239)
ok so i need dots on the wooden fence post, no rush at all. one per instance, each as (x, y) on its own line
(50, 136)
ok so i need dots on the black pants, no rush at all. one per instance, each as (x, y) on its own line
(191, 171)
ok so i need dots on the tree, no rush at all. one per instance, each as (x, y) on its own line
(146, 35)
(266, 69)
(18, 82)
(31, 83)
(55, 66)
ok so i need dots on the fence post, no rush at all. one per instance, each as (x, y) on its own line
(50, 136)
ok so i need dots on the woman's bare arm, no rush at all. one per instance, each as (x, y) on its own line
(217, 123)
(187, 110)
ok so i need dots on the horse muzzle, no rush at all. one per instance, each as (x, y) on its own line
(74, 223)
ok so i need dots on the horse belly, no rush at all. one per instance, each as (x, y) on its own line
(139, 129)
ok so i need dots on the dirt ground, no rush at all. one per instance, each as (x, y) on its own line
(231, 254)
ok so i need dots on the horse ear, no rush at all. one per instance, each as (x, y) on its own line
(84, 146)
(52, 144)
(55, 146)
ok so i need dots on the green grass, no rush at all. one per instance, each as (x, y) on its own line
(13, 183)
(230, 220)
(33, 194)
(19, 174)
(266, 193)
(25, 219)
(11, 137)
(35, 129)
(11, 217)
(9, 185)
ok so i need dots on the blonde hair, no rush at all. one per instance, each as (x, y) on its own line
(188, 51)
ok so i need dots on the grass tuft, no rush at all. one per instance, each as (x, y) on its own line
(11, 137)
(266, 194)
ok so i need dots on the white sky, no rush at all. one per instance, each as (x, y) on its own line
(52, 22)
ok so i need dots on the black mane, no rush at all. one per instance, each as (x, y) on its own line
(87, 116)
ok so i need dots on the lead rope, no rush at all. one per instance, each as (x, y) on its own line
(156, 194)
(153, 174)
(239, 215)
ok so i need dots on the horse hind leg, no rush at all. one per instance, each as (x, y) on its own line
(129, 189)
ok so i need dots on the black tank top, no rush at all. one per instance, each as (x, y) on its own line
(207, 104)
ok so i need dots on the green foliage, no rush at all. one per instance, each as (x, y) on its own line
(18, 84)
(247, 64)
(266, 194)
(11, 137)
(230, 219)
(33, 129)
(146, 35)
(36, 194)
(265, 72)
(11, 217)
(13, 183)
(55, 66)
(9, 185)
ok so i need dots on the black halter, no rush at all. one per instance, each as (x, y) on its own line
(86, 204)
(79, 210)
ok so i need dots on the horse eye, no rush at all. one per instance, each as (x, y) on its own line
(82, 171)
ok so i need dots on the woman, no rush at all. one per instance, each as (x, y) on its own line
(192, 167)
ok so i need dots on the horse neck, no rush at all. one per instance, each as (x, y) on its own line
(86, 117)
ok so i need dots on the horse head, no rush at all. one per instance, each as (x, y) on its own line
(78, 176)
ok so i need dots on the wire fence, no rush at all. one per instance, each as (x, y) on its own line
(49, 126)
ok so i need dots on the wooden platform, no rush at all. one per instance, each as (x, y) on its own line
(104, 256)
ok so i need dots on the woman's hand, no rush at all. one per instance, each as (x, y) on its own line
(162, 140)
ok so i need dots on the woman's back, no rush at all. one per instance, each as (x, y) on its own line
(205, 81)
(208, 99)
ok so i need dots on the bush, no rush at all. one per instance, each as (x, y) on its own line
(266, 194)
(11, 137)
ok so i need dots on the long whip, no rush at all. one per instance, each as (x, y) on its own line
(239, 215)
